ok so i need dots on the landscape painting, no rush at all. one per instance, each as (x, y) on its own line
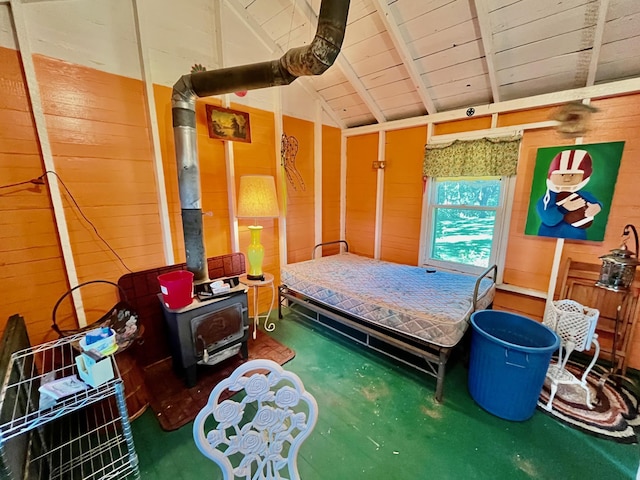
(227, 124)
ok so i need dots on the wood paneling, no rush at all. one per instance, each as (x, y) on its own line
(100, 141)
(213, 183)
(531, 307)
(525, 116)
(362, 150)
(162, 100)
(458, 126)
(529, 258)
(300, 194)
(258, 157)
(105, 171)
(331, 141)
(617, 119)
(32, 274)
(402, 205)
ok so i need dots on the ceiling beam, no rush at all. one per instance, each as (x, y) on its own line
(486, 32)
(621, 87)
(597, 42)
(307, 12)
(361, 90)
(407, 59)
(260, 34)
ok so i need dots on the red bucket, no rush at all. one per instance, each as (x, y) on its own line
(176, 288)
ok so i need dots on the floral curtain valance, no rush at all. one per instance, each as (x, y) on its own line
(472, 158)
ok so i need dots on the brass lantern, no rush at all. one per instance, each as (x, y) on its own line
(619, 266)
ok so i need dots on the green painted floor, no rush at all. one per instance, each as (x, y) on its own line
(378, 420)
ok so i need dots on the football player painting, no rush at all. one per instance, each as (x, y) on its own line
(566, 210)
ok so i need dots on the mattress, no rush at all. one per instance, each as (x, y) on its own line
(432, 307)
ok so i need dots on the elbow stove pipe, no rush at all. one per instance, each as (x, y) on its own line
(313, 59)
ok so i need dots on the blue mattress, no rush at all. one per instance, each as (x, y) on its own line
(431, 307)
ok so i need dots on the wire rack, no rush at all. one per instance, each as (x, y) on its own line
(83, 436)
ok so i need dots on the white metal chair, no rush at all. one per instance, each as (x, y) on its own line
(575, 324)
(257, 433)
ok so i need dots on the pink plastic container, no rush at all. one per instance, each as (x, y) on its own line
(176, 288)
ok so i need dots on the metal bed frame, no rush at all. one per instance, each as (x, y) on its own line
(375, 336)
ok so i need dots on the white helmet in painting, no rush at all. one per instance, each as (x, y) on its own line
(570, 161)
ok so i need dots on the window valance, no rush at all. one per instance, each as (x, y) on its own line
(473, 158)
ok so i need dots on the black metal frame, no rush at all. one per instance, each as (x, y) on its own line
(366, 332)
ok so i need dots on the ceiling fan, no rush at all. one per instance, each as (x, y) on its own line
(573, 118)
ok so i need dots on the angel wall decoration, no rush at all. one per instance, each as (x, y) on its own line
(288, 152)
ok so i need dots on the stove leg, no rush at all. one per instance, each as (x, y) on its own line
(244, 350)
(190, 376)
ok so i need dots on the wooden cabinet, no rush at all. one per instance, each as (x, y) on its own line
(618, 310)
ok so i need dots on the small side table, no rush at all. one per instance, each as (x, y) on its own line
(255, 285)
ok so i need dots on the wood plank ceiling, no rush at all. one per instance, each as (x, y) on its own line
(404, 58)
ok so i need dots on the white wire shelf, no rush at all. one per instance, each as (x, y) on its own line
(83, 436)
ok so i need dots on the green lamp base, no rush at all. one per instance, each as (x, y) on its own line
(255, 254)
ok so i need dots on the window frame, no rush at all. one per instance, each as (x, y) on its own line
(500, 233)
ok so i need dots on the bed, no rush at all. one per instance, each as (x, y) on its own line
(408, 312)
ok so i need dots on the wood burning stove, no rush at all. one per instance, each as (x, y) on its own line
(207, 332)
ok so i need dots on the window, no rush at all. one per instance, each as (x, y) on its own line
(465, 222)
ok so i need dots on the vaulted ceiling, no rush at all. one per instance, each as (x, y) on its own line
(405, 58)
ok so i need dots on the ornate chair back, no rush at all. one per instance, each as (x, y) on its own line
(257, 433)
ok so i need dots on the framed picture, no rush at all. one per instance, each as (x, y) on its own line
(227, 124)
(572, 190)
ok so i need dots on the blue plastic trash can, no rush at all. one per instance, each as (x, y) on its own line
(510, 355)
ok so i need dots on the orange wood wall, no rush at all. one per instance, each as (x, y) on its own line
(255, 158)
(99, 136)
(362, 150)
(162, 100)
(331, 157)
(465, 125)
(259, 157)
(213, 184)
(521, 117)
(99, 139)
(102, 150)
(101, 146)
(32, 276)
(529, 259)
(402, 204)
(300, 195)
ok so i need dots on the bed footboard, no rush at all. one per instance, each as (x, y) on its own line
(372, 336)
(485, 274)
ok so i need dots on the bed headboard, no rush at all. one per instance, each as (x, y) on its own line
(334, 247)
(13, 459)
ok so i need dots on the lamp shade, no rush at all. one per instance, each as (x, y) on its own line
(257, 197)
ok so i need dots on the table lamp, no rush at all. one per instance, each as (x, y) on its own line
(256, 199)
